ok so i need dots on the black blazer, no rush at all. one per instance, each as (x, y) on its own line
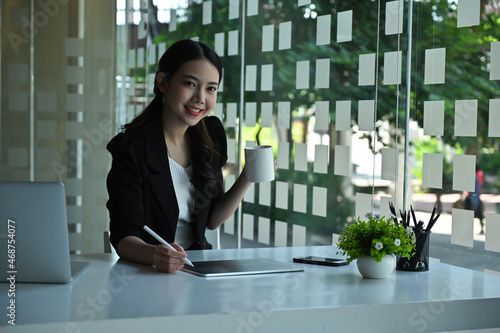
(141, 191)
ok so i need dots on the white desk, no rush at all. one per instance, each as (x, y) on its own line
(117, 296)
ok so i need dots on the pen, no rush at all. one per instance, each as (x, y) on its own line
(161, 240)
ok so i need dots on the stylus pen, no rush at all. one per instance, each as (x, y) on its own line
(161, 240)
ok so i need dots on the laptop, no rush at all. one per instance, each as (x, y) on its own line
(34, 239)
(218, 268)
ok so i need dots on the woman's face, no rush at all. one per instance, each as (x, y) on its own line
(191, 93)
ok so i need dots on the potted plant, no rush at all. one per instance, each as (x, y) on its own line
(375, 243)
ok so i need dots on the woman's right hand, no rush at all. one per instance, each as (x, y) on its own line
(167, 260)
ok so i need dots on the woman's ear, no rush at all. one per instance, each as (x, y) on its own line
(161, 81)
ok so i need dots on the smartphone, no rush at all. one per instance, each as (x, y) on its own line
(321, 261)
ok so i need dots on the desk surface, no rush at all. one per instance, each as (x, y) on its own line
(114, 295)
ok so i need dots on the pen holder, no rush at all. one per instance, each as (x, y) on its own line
(420, 260)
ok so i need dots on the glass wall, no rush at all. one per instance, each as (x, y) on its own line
(365, 103)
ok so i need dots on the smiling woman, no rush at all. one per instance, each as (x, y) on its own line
(167, 164)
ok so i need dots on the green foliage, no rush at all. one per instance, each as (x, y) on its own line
(376, 238)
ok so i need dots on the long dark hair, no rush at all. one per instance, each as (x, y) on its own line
(202, 146)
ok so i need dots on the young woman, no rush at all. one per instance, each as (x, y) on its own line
(167, 164)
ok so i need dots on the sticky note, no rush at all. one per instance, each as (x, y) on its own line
(492, 236)
(73, 47)
(366, 73)
(363, 205)
(231, 150)
(250, 195)
(285, 35)
(234, 9)
(321, 159)
(74, 102)
(462, 227)
(219, 43)
(319, 201)
(388, 164)
(322, 114)
(268, 38)
(282, 195)
(280, 234)
(343, 115)
(323, 29)
(46, 102)
(466, 118)
(394, 17)
(265, 193)
(495, 61)
(384, 206)
(250, 114)
(344, 26)
(172, 26)
(140, 57)
(232, 42)
(264, 230)
(252, 7)
(435, 60)
(392, 67)
(342, 160)
(18, 101)
(251, 78)
(304, 2)
(75, 75)
(366, 115)
(283, 157)
(302, 75)
(248, 226)
(284, 114)
(468, 13)
(432, 170)
(152, 57)
(322, 73)
(73, 130)
(229, 225)
(298, 235)
(131, 58)
(207, 13)
(434, 118)
(266, 82)
(494, 118)
(300, 157)
(300, 198)
(266, 116)
(231, 111)
(464, 173)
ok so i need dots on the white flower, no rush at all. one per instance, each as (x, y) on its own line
(379, 246)
(397, 242)
(409, 231)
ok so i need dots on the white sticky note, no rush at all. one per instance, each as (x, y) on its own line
(218, 112)
(131, 58)
(46, 102)
(232, 42)
(266, 77)
(363, 206)
(495, 61)
(73, 130)
(322, 114)
(388, 164)
(394, 17)
(265, 194)
(366, 114)
(466, 118)
(384, 206)
(283, 157)
(342, 161)
(300, 157)
(344, 26)
(268, 38)
(492, 236)
(266, 116)
(300, 198)
(343, 115)
(207, 13)
(281, 195)
(264, 230)
(462, 227)
(252, 7)
(321, 159)
(302, 75)
(251, 78)
(140, 57)
(434, 118)
(435, 61)
(234, 9)
(75, 102)
(219, 43)
(285, 36)
(319, 201)
(229, 225)
(18, 101)
(323, 29)
(322, 73)
(432, 170)
(152, 57)
(284, 114)
(464, 173)
(250, 195)
(248, 226)
(231, 150)
(74, 47)
(304, 2)
(366, 74)
(392, 67)
(250, 114)
(298, 235)
(231, 111)
(17, 157)
(280, 234)
(468, 13)
(75, 75)
(172, 26)
(494, 118)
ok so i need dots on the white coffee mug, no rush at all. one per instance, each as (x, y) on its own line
(259, 164)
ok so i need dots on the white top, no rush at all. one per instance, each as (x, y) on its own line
(184, 191)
